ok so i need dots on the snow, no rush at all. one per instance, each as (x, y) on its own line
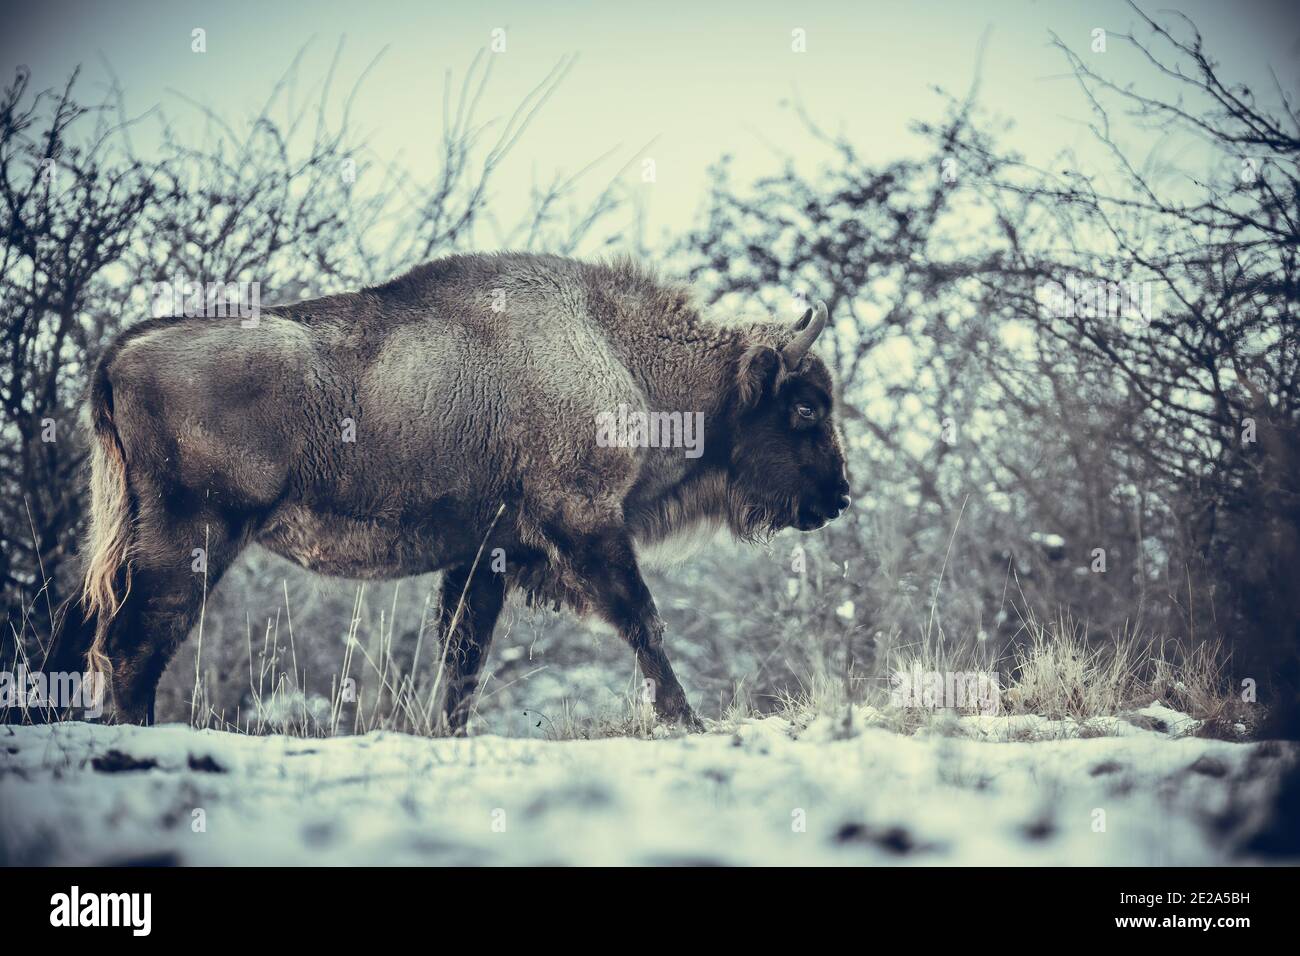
(766, 791)
(1165, 718)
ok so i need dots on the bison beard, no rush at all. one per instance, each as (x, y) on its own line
(409, 427)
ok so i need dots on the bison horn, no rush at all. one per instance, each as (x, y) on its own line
(808, 327)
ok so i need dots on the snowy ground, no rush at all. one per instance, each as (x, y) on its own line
(764, 792)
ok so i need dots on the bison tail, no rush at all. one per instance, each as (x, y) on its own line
(108, 567)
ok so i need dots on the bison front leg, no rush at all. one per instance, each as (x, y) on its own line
(478, 597)
(670, 704)
(619, 594)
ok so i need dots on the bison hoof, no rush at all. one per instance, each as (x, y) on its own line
(684, 718)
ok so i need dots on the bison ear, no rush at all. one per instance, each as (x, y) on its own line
(758, 374)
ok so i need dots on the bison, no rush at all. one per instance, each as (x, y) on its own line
(419, 424)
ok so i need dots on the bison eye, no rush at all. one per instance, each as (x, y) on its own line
(805, 411)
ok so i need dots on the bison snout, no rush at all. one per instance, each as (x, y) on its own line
(819, 512)
(840, 500)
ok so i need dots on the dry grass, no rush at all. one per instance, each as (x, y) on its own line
(1053, 671)
(371, 690)
(1057, 674)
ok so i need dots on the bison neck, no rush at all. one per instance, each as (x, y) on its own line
(679, 519)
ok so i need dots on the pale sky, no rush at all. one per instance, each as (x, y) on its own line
(700, 79)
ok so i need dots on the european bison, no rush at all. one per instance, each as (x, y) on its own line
(521, 402)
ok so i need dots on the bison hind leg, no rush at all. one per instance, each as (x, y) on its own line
(175, 564)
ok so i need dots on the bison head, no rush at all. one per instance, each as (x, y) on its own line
(787, 463)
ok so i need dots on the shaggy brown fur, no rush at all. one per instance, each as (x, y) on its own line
(472, 386)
